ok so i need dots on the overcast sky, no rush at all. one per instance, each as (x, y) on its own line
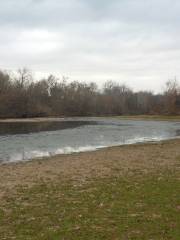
(130, 41)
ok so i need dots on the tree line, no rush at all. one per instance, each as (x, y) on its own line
(21, 97)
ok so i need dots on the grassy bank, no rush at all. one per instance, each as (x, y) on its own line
(128, 117)
(129, 192)
(138, 207)
(151, 117)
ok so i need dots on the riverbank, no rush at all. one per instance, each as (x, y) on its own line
(127, 192)
(32, 120)
(151, 117)
(128, 117)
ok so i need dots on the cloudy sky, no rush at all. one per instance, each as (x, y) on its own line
(130, 41)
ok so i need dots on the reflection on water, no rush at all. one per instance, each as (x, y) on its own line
(23, 141)
(11, 128)
(178, 132)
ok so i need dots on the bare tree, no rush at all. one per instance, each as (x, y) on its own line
(171, 97)
(21, 96)
(24, 77)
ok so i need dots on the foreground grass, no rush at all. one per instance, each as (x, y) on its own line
(137, 207)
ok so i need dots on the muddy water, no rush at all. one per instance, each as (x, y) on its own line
(23, 141)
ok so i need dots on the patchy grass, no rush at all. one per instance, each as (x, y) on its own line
(131, 117)
(151, 117)
(141, 207)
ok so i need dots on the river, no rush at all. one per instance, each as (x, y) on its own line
(21, 141)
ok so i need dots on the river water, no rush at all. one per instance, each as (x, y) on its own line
(24, 141)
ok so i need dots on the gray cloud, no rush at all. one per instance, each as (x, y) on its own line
(47, 12)
(136, 42)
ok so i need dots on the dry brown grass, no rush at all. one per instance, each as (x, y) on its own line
(123, 160)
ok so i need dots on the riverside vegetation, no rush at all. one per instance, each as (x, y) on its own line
(22, 97)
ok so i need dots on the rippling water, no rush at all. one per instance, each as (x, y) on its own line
(23, 141)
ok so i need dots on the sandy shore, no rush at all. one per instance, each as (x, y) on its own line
(122, 160)
(58, 119)
(32, 120)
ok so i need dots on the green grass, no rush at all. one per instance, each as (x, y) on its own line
(136, 208)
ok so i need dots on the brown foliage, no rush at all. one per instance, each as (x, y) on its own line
(21, 96)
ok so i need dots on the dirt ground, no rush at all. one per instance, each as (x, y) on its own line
(122, 160)
(43, 119)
